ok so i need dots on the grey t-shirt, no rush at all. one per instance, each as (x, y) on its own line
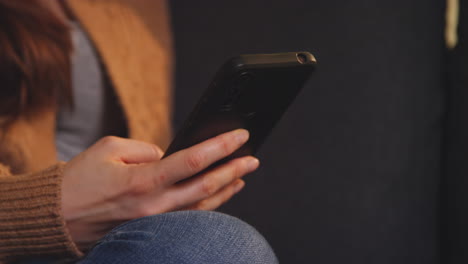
(96, 112)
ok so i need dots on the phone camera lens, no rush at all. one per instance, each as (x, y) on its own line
(242, 79)
(302, 58)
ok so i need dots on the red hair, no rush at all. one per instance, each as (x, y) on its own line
(35, 48)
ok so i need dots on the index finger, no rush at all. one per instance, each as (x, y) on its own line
(190, 161)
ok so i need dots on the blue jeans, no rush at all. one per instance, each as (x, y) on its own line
(181, 237)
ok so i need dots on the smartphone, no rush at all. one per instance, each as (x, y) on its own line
(250, 92)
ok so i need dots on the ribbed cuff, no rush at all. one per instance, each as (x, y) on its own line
(31, 222)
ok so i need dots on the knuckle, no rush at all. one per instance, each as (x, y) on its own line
(141, 183)
(146, 208)
(195, 162)
(143, 210)
(161, 178)
(235, 169)
(110, 141)
(238, 170)
(202, 205)
(224, 145)
(138, 186)
(208, 187)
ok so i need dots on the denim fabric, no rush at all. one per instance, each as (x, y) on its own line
(182, 237)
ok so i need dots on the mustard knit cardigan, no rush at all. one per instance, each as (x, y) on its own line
(133, 40)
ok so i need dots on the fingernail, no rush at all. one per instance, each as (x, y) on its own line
(239, 185)
(241, 135)
(252, 164)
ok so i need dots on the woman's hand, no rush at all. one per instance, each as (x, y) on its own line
(118, 179)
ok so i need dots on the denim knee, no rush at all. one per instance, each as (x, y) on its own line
(183, 237)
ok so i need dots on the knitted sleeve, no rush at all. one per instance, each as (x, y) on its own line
(31, 222)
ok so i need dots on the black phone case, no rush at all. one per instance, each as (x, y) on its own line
(249, 91)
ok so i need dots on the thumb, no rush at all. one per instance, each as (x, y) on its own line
(132, 151)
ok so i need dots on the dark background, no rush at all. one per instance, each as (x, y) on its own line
(455, 177)
(352, 173)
